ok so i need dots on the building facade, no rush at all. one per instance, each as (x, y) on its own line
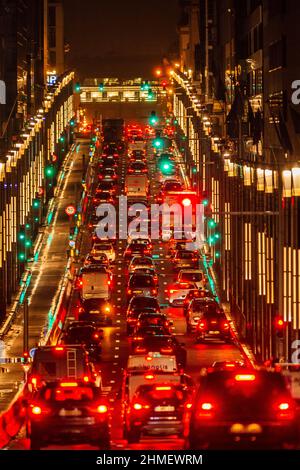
(243, 139)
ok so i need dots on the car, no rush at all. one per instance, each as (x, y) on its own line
(140, 262)
(103, 197)
(213, 324)
(141, 284)
(137, 247)
(196, 294)
(185, 259)
(86, 335)
(157, 409)
(141, 332)
(172, 185)
(68, 412)
(164, 344)
(107, 162)
(177, 292)
(137, 167)
(196, 309)
(107, 174)
(143, 302)
(133, 315)
(193, 275)
(100, 311)
(147, 318)
(106, 185)
(134, 235)
(246, 408)
(101, 260)
(181, 245)
(102, 248)
(150, 271)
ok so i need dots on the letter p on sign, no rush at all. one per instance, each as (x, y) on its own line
(2, 92)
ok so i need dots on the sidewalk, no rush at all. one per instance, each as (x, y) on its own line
(47, 272)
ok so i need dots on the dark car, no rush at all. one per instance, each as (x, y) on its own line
(141, 284)
(141, 332)
(98, 310)
(86, 335)
(185, 259)
(154, 319)
(196, 294)
(164, 344)
(137, 247)
(106, 185)
(107, 174)
(137, 305)
(242, 409)
(69, 412)
(137, 167)
(149, 271)
(158, 409)
(213, 324)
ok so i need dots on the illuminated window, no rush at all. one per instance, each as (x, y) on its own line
(247, 237)
(227, 227)
(287, 283)
(261, 263)
(270, 269)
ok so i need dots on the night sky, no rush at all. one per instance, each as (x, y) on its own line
(116, 37)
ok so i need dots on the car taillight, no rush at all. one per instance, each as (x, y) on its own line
(69, 384)
(201, 325)
(140, 349)
(36, 410)
(284, 410)
(86, 379)
(139, 406)
(225, 325)
(245, 377)
(129, 291)
(153, 291)
(102, 409)
(96, 336)
(188, 406)
(108, 282)
(205, 410)
(149, 376)
(59, 348)
(34, 381)
(166, 350)
(137, 338)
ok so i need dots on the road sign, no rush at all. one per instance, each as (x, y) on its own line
(72, 243)
(70, 210)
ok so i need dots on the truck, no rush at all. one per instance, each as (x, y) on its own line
(113, 130)
(137, 144)
(95, 282)
(136, 186)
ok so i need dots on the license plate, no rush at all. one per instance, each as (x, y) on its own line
(164, 408)
(64, 412)
(214, 332)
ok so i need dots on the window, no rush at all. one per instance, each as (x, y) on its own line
(52, 16)
(52, 37)
(52, 58)
(277, 54)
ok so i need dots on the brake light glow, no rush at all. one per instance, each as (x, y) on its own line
(69, 384)
(166, 350)
(149, 377)
(102, 409)
(139, 349)
(206, 406)
(86, 379)
(225, 325)
(245, 377)
(188, 406)
(59, 348)
(36, 410)
(163, 388)
(201, 325)
(283, 406)
(137, 406)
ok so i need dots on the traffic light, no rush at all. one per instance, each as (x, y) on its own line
(158, 143)
(77, 87)
(153, 119)
(211, 223)
(145, 86)
(36, 203)
(165, 165)
(150, 94)
(62, 139)
(279, 326)
(72, 122)
(49, 171)
(205, 202)
(101, 87)
(22, 245)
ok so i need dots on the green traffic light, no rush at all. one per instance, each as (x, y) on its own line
(101, 86)
(217, 236)
(28, 243)
(36, 203)
(205, 202)
(21, 236)
(21, 257)
(194, 170)
(166, 166)
(62, 139)
(211, 240)
(77, 87)
(72, 122)
(49, 171)
(211, 223)
(27, 226)
(36, 219)
(218, 254)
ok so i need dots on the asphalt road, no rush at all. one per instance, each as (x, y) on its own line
(116, 345)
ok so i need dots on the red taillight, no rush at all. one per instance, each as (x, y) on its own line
(69, 384)
(245, 377)
(201, 325)
(163, 388)
(149, 376)
(59, 348)
(36, 410)
(86, 379)
(102, 409)
(108, 282)
(129, 291)
(153, 291)
(225, 325)
(205, 410)
(188, 406)
(137, 406)
(284, 410)
(166, 350)
(140, 349)
(96, 336)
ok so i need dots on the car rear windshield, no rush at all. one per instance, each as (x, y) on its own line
(81, 333)
(162, 392)
(72, 393)
(141, 281)
(173, 187)
(185, 255)
(192, 277)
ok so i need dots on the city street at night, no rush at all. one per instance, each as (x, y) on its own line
(149, 232)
